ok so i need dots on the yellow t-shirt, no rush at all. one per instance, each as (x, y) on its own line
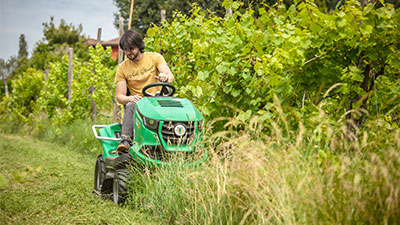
(139, 74)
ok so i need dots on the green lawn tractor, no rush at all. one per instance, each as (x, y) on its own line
(166, 128)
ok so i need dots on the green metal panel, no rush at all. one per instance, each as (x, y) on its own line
(151, 108)
(143, 135)
(109, 147)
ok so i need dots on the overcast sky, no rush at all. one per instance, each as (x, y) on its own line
(26, 17)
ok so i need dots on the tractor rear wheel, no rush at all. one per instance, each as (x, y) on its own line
(120, 186)
(100, 172)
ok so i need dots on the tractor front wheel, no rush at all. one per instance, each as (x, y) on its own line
(100, 172)
(120, 186)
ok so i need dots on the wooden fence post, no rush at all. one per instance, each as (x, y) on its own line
(120, 59)
(46, 74)
(130, 14)
(92, 89)
(70, 75)
(121, 32)
(98, 35)
(5, 85)
(163, 14)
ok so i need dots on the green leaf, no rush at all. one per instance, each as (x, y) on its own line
(274, 80)
(368, 8)
(265, 116)
(292, 9)
(249, 90)
(20, 176)
(244, 116)
(262, 11)
(3, 181)
(341, 22)
(198, 91)
(356, 74)
(221, 69)
(366, 29)
(232, 70)
(235, 5)
(235, 93)
(264, 88)
(216, 79)
(203, 75)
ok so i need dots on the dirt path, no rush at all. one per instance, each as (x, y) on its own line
(41, 183)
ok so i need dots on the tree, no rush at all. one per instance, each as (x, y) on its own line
(23, 47)
(22, 59)
(56, 42)
(148, 12)
(64, 33)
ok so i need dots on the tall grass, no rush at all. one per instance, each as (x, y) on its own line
(288, 170)
(312, 174)
(75, 135)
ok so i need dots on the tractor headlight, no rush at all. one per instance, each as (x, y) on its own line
(150, 123)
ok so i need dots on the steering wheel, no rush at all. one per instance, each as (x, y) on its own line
(167, 89)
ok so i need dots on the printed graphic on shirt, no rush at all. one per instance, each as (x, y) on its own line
(143, 73)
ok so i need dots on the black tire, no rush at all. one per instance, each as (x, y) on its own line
(100, 172)
(120, 186)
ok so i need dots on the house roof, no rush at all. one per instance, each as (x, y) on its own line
(112, 42)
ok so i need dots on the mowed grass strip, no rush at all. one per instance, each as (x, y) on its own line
(44, 183)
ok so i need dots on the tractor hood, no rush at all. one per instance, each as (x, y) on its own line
(168, 109)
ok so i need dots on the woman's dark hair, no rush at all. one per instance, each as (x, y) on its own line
(131, 39)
